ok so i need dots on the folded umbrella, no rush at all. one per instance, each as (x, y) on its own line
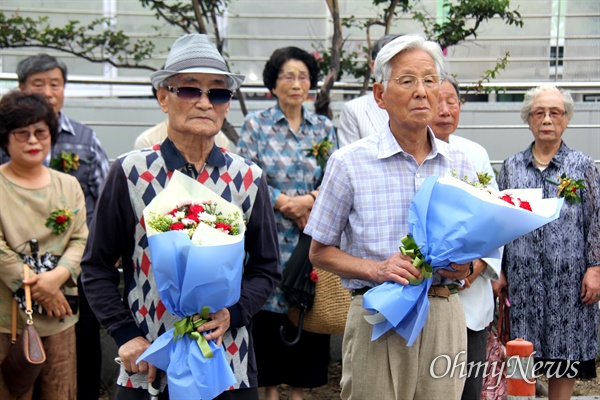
(299, 289)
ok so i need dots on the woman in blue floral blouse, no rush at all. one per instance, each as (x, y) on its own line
(553, 273)
(278, 140)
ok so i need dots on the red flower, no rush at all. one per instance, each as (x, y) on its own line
(314, 276)
(173, 212)
(223, 227)
(525, 205)
(195, 209)
(59, 220)
(508, 199)
(177, 226)
(193, 217)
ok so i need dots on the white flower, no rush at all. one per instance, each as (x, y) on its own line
(207, 217)
(188, 222)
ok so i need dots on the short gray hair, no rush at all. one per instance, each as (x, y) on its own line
(39, 63)
(531, 95)
(449, 78)
(403, 43)
(380, 43)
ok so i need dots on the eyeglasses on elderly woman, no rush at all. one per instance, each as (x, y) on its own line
(540, 114)
(22, 135)
(290, 77)
(215, 96)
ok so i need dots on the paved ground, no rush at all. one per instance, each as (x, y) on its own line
(328, 392)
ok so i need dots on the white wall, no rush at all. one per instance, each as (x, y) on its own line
(496, 126)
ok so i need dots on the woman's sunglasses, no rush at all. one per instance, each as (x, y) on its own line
(215, 96)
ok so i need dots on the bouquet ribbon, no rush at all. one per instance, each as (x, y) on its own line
(411, 249)
(189, 326)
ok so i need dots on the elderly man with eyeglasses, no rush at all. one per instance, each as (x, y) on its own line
(361, 215)
(195, 90)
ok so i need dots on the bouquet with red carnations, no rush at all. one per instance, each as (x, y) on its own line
(451, 221)
(197, 255)
(187, 215)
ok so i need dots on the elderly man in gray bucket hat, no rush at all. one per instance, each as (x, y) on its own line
(195, 90)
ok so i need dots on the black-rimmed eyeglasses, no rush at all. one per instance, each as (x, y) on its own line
(215, 96)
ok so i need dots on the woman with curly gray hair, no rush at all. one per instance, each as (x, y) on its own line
(553, 273)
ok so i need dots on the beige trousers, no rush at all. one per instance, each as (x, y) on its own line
(434, 367)
(58, 379)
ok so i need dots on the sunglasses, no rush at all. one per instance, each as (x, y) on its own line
(215, 96)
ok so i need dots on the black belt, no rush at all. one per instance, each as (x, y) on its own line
(361, 291)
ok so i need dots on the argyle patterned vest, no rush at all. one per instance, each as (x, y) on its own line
(147, 175)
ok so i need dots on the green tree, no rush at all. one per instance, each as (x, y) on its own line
(93, 41)
(461, 21)
(97, 41)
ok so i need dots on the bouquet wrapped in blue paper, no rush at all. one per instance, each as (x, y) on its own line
(451, 221)
(196, 241)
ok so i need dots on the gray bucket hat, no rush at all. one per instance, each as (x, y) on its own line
(195, 53)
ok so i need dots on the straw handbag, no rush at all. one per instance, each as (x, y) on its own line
(330, 307)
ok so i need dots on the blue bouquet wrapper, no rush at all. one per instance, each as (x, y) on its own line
(189, 277)
(451, 222)
(190, 375)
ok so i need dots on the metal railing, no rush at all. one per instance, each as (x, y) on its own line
(340, 88)
(513, 87)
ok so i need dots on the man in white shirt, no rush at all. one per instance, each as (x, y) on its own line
(362, 116)
(477, 298)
